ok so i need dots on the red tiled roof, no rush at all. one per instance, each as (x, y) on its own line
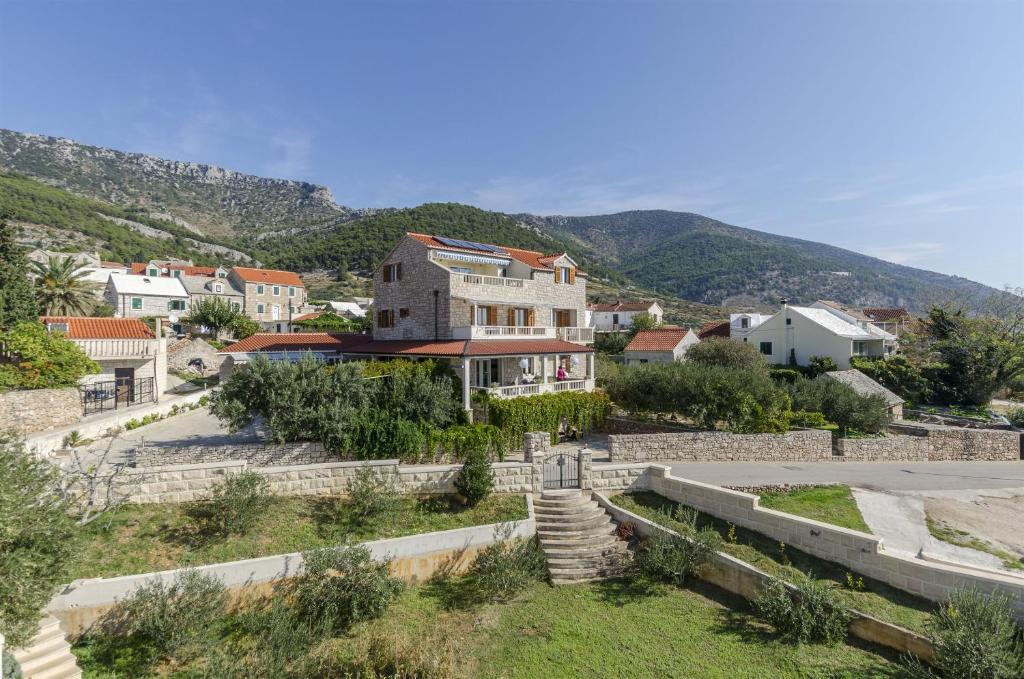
(85, 327)
(200, 270)
(468, 348)
(883, 315)
(272, 276)
(623, 306)
(138, 267)
(531, 258)
(412, 348)
(661, 339)
(537, 346)
(714, 329)
(112, 265)
(308, 317)
(296, 341)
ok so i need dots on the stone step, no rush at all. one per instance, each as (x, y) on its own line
(601, 546)
(66, 670)
(575, 535)
(599, 520)
(577, 574)
(603, 561)
(582, 516)
(55, 664)
(41, 650)
(556, 511)
(556, 503)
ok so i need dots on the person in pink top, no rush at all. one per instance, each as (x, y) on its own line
(561, 376)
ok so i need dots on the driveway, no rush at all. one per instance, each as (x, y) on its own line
(893, 476)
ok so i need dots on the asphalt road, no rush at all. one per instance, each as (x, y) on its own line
(870, 475)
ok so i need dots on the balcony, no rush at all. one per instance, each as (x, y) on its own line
(503, 332)
(118, 348)
(516, 390)
(577, 335)
(500, 281)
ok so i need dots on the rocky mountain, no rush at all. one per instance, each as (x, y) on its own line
(168, 207)
(206, 199)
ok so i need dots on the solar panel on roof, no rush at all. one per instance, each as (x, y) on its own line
(467, 244)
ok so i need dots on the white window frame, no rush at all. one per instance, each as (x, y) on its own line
(275, 290)
(154, 272)
(291, 290)
(218, 287)
(260, 289)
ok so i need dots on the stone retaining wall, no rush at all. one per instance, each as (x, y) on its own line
(27, 411)
(256, 454)
(624, 425)
(629, 476)
(860, 552)
(703, 446)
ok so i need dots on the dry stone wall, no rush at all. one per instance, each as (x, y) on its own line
(31, 410)
(256, 454)
(706, 446)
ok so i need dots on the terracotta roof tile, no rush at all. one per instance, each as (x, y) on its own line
(85, 327)
(623, 306)
(468, 348)
(412, 348)
(272, 276)
(882, 315)
(662, 339)
(537, 346)
(112, 265)
(296, 341)
(714, 329)
(308, 317)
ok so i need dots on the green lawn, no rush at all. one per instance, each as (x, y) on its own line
(144, 538)
(829, 504)
(608, 629)
(786, 562)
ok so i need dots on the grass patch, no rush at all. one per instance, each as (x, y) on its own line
(145, 538)
(617, 628)
(941, 530)
(786, 562)
(197, 380)
(829, 504)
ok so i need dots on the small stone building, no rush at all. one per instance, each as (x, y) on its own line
(865, 386)
(661, 345)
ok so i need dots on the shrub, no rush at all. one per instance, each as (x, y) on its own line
(506, 567)
(457, 443)
(812, 613)
(788, 375)
(974, 635)
(373, 494)
(340, 587)
(840, 404)
(36, 539)
(164, 620)
(545, 412)
(42, 359)
(241, 326)
(811, 420)
(475, 480)
(12, 670)
(611, 342)
(1016, 417)
(677, 557)
(726, 353)
(819, 365)
(236, 502)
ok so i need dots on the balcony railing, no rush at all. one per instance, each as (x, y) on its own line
(577, 335)
(515, 390)
(118, 348)
(502, 332)
(500, 281)
(120, 393)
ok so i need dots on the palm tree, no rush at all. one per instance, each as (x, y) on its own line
(61, 287)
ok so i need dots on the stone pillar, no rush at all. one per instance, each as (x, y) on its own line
(586, 469)
(538, 471)
(544, 359)
(535, 442)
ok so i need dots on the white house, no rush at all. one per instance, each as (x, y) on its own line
(346, 309)
(142, 296)
(619, 315)
(662, 345)
(803, 332)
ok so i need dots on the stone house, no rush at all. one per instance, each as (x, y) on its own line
(618, 316)
(200, 288)
(272, 297)
(144, 296)
(661, 345)
(132, 359)
(865, 386)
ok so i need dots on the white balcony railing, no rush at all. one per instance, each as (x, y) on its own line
(503, 332)
(118, 348)
(571, 385)
(577, 335)
(500, 281)
(515, 390)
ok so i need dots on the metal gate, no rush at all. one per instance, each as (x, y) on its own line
(562, 471)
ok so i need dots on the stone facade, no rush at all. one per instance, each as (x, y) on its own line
(706, 446)
(932, 443)
(288, 298)
(535, 442)
(256, 454)
(180, 353)
(631, 477)
(32, 410)
(623, 425)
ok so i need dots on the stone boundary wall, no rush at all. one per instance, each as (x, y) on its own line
(413, 558)
(740, 577)
(943, 442)
(28, 411)
(631, 476)
(257, 454)
(705, 446)
(625, 425)
(192, 482)
(860, 552)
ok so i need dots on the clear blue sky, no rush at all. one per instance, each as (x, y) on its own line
(891, 128)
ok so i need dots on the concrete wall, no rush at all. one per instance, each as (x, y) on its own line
(705, 446)
(631, 476)
(860, 552)
(31, 410)
(413, 558)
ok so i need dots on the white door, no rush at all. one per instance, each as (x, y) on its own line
(275, 312)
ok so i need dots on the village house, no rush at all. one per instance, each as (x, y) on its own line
(799, 333)
(661, 345)
(893, 321)
(176, 268)
(865, 386)
(860, 319)
(146, 297)
(272, 297)
(618, 316)
(132, 360)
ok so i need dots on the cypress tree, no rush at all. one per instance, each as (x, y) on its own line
(17, 301)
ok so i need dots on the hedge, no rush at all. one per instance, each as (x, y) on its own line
(515, 417)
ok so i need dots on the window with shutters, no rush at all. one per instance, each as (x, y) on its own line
(392, 272)
(176, 305)
(386, 318)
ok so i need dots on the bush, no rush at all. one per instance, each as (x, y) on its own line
(237, 502)
(36, 539)
(1016, 417)
(475, 480)
(42, 359)
(675, 558)
(162, 620)
(12, 670)
(506, 567)
(726, 353)
(545, 412)
(340, 587)
(788, 375)
(373, 494)
(810, 420)
(457, 443)
(812, 613)
(819, 365)
(840, 404)
(611, 342)
(974, 635)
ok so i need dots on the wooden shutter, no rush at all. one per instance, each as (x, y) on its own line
(511, 317)
(398, 271)
(558, 274)
(572, 276)
(530, 317)
(492, 315)
(387, 278)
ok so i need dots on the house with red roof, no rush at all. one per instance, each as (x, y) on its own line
(132, 360)
(618, 316)
(660, 345)
(272, 297)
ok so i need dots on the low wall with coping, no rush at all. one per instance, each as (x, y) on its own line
(747, 581)
(705, 446)
(257, 454)
(413, 558)
(860, 552)
(631, 476)
(27, 411)
(625, 425)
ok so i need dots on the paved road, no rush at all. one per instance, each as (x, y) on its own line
(870, 475)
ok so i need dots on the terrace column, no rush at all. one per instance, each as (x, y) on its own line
(544, 364)
(465, 384)
(590, 366)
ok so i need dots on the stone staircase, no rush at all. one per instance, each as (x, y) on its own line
(578, 537)
(49, 655)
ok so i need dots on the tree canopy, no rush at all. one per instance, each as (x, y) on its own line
(62, 288)
(17, 303)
